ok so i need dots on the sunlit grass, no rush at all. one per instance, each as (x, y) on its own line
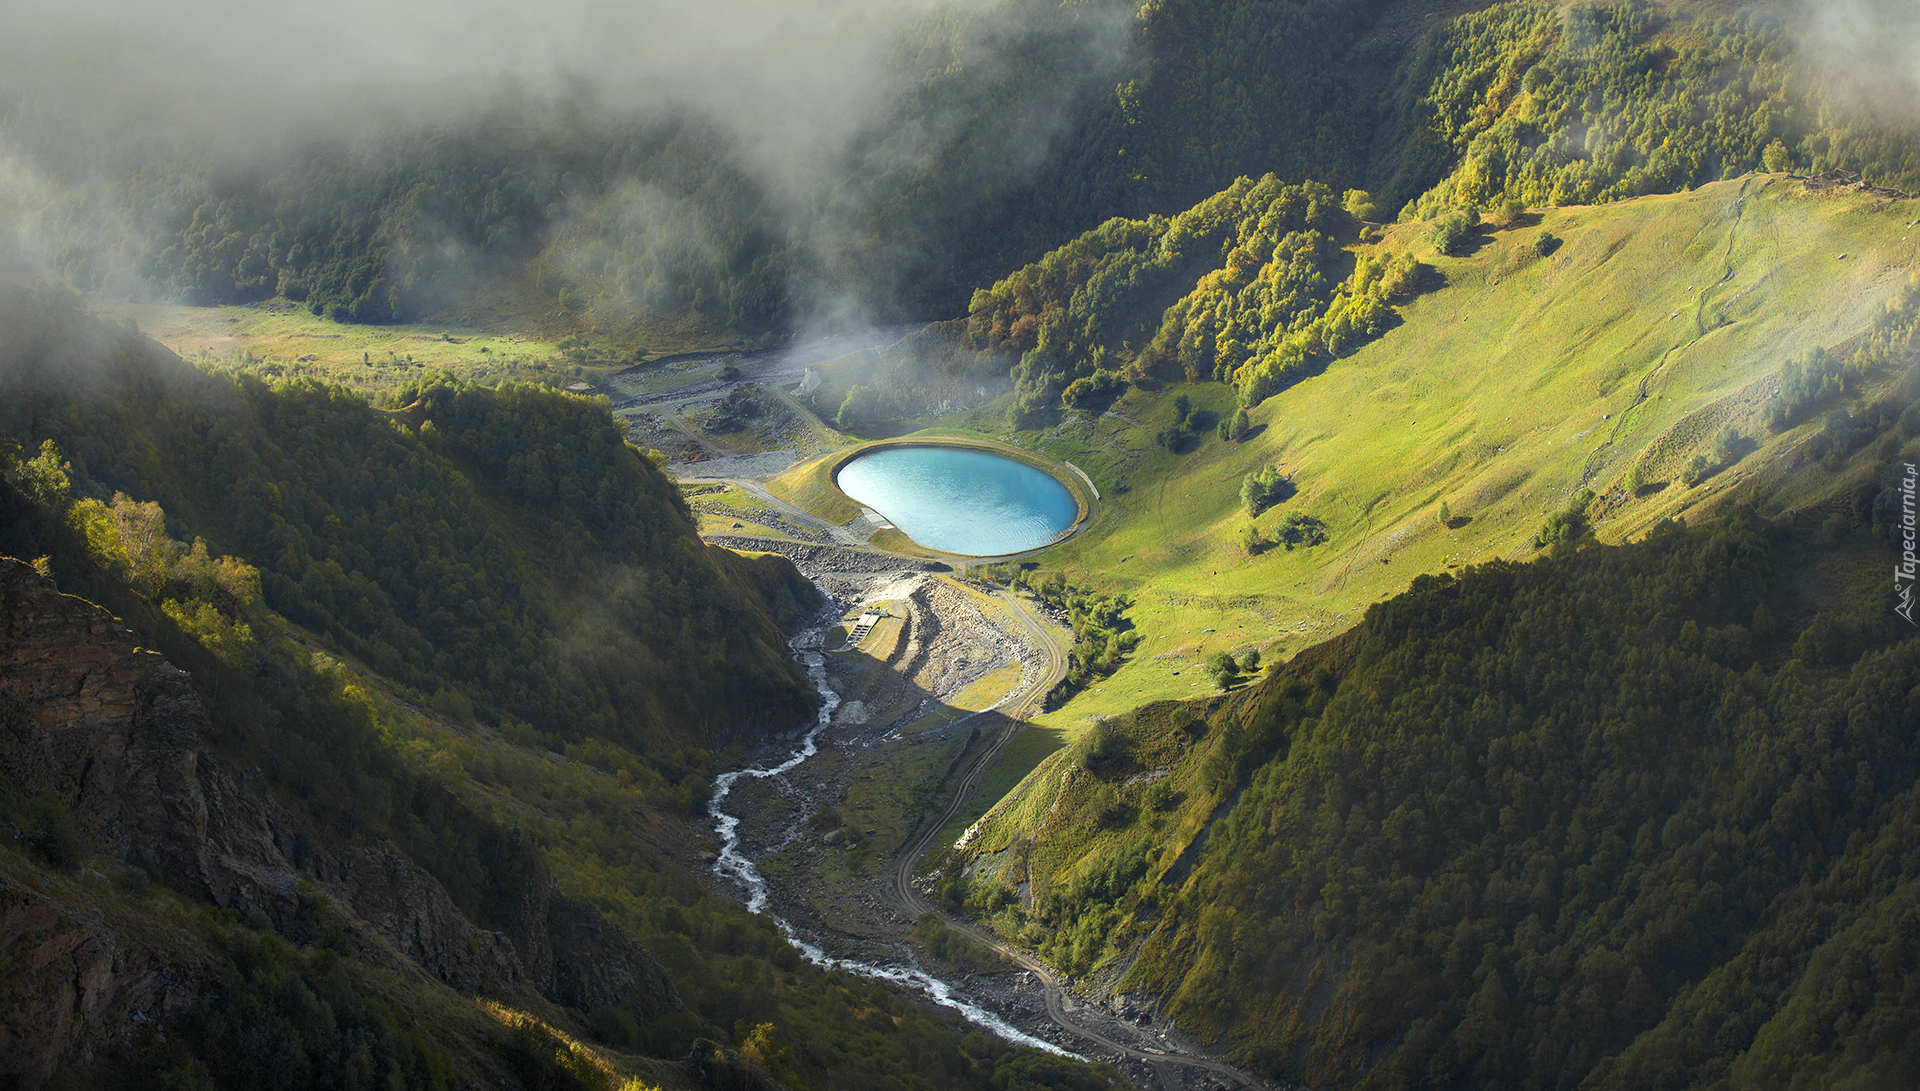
(1501, 394)
(281, 340)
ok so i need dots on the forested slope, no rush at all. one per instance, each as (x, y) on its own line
(1598, 102)
(374, 229)
(1633, 816)
(505, 547)
(1250, 285)
(286, 545)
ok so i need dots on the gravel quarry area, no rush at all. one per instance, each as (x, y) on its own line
(762, 465)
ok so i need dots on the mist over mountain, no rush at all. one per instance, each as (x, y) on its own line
(703, 138)
(762, 167)
(1875, 40)
(238, 79)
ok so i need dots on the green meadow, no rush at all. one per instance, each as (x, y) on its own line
(283, 340)
(1524, 379)
(507, 341)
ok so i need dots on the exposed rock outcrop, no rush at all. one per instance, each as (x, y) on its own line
(595, 965)
(409, 911)
(67, 977)
(564, 949)
(113, 732)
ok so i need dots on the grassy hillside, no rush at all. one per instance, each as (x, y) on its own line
(288, 342)
(1523, 380)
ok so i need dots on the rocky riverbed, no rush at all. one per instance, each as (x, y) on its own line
(826, 834)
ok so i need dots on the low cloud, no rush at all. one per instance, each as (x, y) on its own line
(1871, 47)
(241, 78)
(817, 101)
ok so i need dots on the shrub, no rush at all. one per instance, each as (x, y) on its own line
(1092, 388)
(1729, 446)
(52, 835)
(859, 408)
(1263, 489)
(1696, 471)
(1452, 233)
(1223, 670)
(1400, 277)
(1776, 158)
(1808, 379)
(1300, 530)
(1238, 425)
(1252, 541)
(1568, 524)
(1110, 752)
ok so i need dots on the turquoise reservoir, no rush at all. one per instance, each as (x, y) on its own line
(961, 501)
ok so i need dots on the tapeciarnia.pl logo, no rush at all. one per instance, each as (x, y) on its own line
(1904, 568)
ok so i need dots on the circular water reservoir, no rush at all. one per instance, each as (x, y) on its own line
(961, 501)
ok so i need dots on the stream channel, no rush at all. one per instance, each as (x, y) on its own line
(735, 865)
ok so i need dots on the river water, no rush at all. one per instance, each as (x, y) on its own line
(735, 865)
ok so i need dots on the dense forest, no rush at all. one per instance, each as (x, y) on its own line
(1249, 286)
(502, 551)
(1013, 130)
(1627, 816)
(1601, 103)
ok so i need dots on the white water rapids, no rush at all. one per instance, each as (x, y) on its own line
(734, 864)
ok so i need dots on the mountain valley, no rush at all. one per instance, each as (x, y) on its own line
(435, 650)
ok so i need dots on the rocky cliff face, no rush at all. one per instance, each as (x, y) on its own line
(112, 731)
(72, 980)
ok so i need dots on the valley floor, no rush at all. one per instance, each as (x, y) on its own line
(931, 697)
